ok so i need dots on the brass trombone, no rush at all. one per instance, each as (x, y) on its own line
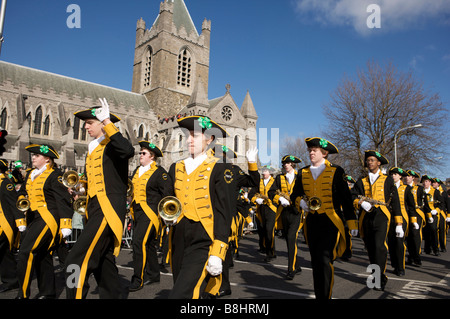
(169, 208)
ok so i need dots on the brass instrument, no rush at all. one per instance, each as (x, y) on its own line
(169, 208)
(23, 204)
(374, 202)
(70, 179)
(284, 195)
(314, 203)
(79, 205)
(130, 188)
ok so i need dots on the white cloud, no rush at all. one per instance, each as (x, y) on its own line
(395, 14)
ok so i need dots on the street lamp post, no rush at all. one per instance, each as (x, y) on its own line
(2, 21)
(395, 139)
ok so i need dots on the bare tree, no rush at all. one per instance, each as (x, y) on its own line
(295, 146)
(366, 112)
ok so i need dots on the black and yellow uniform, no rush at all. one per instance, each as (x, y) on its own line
(325, 226)
(149, 188)
(204, 227)
(374, 225)
(397, 245)
(99, 243)
(290, 216)
(414, 239)
(50, 210)
(265, 216)
(430, 231)
(443, 215)
(10, 219)
(238, 208)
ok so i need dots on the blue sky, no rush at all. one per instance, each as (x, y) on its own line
(290, 54)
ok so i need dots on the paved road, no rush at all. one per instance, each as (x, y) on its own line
(252, 278)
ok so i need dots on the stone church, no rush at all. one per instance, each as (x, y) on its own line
(170, 80)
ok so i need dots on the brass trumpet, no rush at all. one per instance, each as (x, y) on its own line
(169, 208)
(130, 188)
(79, 205)
(314, 203)
(70, 179)
(23, 204)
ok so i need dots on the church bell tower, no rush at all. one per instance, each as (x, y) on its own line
(170, 57)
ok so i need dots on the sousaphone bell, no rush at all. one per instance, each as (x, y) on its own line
(169, 208)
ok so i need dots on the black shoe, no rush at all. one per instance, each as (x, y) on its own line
(135, 286)
(384, 280)
(150, 281)
(46, 297)
(223, 293)
(291, 274)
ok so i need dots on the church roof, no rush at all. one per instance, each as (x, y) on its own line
(247, 108)
(181, 16)
(21, 75)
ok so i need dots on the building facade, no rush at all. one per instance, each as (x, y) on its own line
(170, 80)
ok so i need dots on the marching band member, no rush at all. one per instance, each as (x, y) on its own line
(107, 181)
(50, 211)
(432, 199)
(417, 219)
(442, 209)
(241, 180)
(291, 219)
(378, 209)
(322, 192)
(12, 220)
(199, 238)
(396, 241)
(150, 184)
(265, 213)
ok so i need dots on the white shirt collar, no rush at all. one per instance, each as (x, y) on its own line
(93, 144)
(192, 163)
(317, 170)
(36, 172)
(143, 169)
(266, 180)
(290, 176)
(373, 176)
(397, 184)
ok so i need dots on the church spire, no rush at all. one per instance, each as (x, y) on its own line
(247, 108)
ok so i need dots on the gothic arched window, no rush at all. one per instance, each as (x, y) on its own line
(76, 128)
(47, 125)
(237, 141)
(184, 68)
(3, 118)
(38, 121)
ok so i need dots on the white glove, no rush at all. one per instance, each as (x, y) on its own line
(66, 232)
(304, 206)
(284, 202)
(447, 219)
(250, 225)
(251, 155)
(354, 232)
(416, 225)
(103, 112)
(214, 266)
(366, 206)
(22, 228)
(399, 231)
(430, 220)
(259, 201)
(434, 212)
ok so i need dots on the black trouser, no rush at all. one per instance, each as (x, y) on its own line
(322, 236)
(375, 229)
(442, 233)
(291, 226)
(35, 254)
(190, 253)
(93, 253)
(397, 246)
(414, 241)
(268, 229)
(8, 264)
(430, 236)
(145, 256)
